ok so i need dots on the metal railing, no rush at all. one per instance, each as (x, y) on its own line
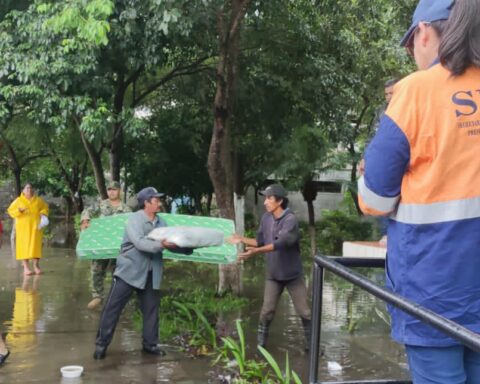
(338, 265)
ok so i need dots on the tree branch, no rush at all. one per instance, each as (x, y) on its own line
(238, 19)
(175, 72)
(33, 157)
(134, 76)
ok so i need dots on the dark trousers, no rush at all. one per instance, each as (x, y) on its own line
(120, 293)
(273, 290)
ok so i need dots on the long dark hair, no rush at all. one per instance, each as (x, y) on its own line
(460, 44)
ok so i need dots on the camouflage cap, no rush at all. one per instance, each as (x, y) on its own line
(113, 185)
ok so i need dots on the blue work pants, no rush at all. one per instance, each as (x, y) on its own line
(443, 365)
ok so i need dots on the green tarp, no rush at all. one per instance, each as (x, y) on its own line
(103, 237)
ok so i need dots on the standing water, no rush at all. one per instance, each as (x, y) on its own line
(48, 326)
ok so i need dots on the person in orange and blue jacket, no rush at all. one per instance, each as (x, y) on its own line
(429, 185)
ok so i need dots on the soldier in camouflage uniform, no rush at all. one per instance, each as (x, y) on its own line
(111, 206)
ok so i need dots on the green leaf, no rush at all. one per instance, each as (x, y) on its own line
(296, 378)
(183, 309)
(271, 361)
(241, 337)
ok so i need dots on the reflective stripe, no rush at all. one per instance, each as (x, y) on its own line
(438, 212)
(372, 200)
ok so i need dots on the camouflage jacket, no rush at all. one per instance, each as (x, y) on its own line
(105, 208)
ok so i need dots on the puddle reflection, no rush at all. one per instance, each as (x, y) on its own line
(23, 329)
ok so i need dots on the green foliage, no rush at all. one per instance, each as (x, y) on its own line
(279, 376)
(91, 63)
(362, 37)
(192, 314)
(192, 320)
(310, 78)
(250, 370)
(308, 149)
(230, 346)
(283, 95)
(170, 151)
(87, 21)
(337, 227)
(246, 370)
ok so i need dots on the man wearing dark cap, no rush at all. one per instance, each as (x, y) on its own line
(108, 207)
(278, 238)
(139, 268)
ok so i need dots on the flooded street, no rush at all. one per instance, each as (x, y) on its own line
(48, 326)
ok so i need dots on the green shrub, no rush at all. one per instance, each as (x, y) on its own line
(337, 227)
(188, 316)
(244, 370)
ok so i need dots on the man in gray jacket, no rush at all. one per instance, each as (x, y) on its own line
(139, 268)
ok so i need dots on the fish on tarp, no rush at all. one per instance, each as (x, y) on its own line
(188, 237)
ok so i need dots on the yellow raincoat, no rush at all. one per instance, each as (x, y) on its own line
(28, 236)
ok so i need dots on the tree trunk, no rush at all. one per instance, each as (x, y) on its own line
(353, 153)
(115, 152)
(69, 207)
(18, 181)
(352, 189)
(73, 179)
(115, 147)
(309, 193)
(311, 228)
(15, 167)
(209, 203)
(219, 157)
(78, 173)
(96, 162)
(78, 203)
(70, 234)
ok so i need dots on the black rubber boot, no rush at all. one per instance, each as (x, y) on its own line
(100, 352)
(307, 329)
(262, 335)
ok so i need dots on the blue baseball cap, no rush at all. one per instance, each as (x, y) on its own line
(147, 193)
(428, 11)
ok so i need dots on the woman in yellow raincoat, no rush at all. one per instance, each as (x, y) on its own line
(27, 210)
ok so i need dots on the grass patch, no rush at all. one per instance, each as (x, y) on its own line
(188, 317)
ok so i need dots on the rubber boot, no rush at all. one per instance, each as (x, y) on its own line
(307, 329)
(262, 335)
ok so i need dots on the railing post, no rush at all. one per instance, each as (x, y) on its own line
(316, 322)
(449, 327)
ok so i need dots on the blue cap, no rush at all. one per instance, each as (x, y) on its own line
(429, 11)
(147, 193)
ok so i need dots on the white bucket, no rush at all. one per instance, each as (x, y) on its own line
(71, 371)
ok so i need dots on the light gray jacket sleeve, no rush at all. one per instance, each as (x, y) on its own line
(137, 236)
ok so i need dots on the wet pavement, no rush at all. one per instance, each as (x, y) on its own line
(48, 326)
